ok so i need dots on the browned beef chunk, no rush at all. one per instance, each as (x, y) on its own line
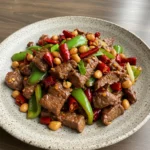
(115, 66)
(130, 95)
(25, 70)
(56, 98)
(77, 79)
(110, 78)
(46, 113)
(28, 91)
(104, 99)
(39, 61)
(61, 71)
(110, 113)
(72, 120)
(90, 65)
(14, 80)
(52, 103)
(109, 41)
(59, 91)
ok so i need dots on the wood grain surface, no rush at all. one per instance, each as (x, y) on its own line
(133, 15)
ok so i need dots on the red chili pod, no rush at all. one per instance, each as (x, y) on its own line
(51, 41)
(90, 52)
(48, 57)
(61, 38)
(97, 34)
(88, 93)
(73, 104)
(20, 99)
(67, 34)
(104, 59)
(64, 51)
(103, 68)
(132, 60)
(120, 59)
(45, 120)
(96, 114)
(116, 86)
(49, 81)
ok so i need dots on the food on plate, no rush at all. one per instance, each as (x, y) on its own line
(73, 79)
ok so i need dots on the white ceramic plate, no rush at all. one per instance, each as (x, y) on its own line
(94, 136)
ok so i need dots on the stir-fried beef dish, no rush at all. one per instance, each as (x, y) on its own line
(73, 79)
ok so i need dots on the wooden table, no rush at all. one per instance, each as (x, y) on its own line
(134, 15)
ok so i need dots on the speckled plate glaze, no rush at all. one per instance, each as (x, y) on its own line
(96, 135)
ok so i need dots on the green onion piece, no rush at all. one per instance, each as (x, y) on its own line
(130, 72)
(136, 71)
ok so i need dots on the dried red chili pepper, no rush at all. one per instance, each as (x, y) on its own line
(49, 81)
(96, 114)
(104, 59)
(103, 68)
(67, 34)
(73, 104)
(97, 34)
(120, 59)
(20, 99)
(132, 60)
(116, 86)
(51, 41)
(88, 53)
(61, 38)
(48, 57)
(88, 94)
(45, 120)
(64, 51)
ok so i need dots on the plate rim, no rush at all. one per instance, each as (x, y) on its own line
(116, 140)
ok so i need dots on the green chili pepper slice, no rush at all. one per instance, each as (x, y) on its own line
(76, 41)
(63, 42)
(99, 53)
(21, 55)
(79, 95)
(118, 48)
(36, 75)
(34, 105)
(136, 71)
(48, 46)
(55, 48)
(81, 67)
(109, 55)
(90, 82)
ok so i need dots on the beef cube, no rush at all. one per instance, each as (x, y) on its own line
(110, 78)
(90, 65)
(110, 113)
(77, 79)
(104, 99)
(39, 61)
(130, 95)
(28, 91)
(25, 70)
(109, 41)
(59, 91)
(72, 121)
(52, 103)
(61, 71)
(14, 80)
